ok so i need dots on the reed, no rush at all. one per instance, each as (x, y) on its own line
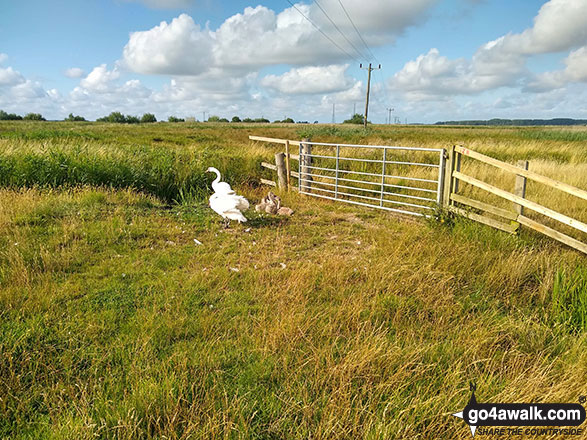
(338, 322)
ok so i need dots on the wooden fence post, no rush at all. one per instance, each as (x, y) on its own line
(457, 167)
(520, 187)
(281, 170)
(305, 162)
(441, 176)
(448, 179)
(287, 164)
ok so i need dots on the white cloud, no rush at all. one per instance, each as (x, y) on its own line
(310, 80)
(355, 94)
(19, 94)
(375, 19)
(74, 72)
(54, 94)
(560, 25)
(215, 86)
(28, 90)
(577, 65)
(10, 77)
(177, 48)
(433, 76)
(217, 70)
(574, 72)
(430, 73)
(100, 78)
(260, 37)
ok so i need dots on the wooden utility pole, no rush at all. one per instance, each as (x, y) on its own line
(389, 110)
(369, 69)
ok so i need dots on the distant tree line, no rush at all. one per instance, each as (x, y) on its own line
(356, 119)
(119, 118)
(518, 122)
(14, 117)
(72, 118)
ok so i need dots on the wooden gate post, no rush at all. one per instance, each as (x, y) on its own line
(451, 184)
(449, 167)
(281, 170)
(305, 162)
(520, 187)
(287, 164)
(441, 177)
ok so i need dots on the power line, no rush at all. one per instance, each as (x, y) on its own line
(340, 32)
(322, 32)
(357, 31)
(368, 49)
(382, 80)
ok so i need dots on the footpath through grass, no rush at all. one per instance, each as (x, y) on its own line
(338, 322)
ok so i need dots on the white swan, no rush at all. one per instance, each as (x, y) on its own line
(225, 202)
(217, 185)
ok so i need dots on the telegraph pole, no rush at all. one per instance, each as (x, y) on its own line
(369, 69)
(389, 111)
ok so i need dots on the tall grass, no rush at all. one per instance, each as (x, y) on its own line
(168, 173)
(338, 322)
(569, 299)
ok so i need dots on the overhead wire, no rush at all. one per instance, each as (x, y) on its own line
(357, 31)
(360, 53)
(369, 50)
(322, 32)
(340, 32)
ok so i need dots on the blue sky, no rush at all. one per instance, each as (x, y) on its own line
(441, 60)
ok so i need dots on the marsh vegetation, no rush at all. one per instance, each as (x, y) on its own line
(338, 322)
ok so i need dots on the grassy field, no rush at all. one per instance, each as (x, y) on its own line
(338, 322)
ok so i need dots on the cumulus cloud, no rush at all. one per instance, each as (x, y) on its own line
(215, 86)
(560, 25)
(99, 78)
(177, 48)
(310, 80)
(433, 76)
(574, 72)
(10, 77)
(74, 72)
(260, 37)
(3, 57)
(376, 19)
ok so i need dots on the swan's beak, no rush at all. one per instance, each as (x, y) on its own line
(209, 170)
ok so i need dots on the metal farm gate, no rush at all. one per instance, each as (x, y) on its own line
(416, 181)
(407, 180)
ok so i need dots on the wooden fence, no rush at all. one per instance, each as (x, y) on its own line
(462, 205)
(507, 220)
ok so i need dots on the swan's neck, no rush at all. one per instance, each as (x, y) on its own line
(217, 177)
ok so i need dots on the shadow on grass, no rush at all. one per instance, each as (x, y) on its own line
(263, 222)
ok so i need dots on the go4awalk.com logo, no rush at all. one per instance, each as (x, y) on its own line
(522, 418)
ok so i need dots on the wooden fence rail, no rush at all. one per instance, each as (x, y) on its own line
(516, 217)
(450, 199)
(282, 163)
(523, 172)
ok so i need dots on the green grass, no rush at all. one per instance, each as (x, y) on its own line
(569, 299)
(338, 322)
